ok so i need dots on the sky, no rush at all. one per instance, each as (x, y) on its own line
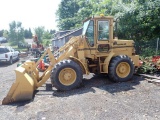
(32, 13)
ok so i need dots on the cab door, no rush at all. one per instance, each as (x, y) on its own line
(90, 34)
(103, 35)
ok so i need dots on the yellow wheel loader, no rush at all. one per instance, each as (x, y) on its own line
(95, 51)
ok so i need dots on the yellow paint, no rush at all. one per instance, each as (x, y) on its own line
(67, 76)
(78, 50)
(106, 62)
(123, 69)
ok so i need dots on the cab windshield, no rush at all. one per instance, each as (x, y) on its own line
(85, 26)
(88, 32)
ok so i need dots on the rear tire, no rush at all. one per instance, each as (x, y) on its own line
(121, 68)
(66, 75)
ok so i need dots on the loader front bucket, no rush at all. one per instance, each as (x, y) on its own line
(22, 89)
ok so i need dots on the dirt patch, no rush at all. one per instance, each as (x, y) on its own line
(97, 98)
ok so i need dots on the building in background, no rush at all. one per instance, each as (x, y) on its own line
(61, 37)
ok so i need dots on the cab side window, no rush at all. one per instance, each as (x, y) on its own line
(103, 30)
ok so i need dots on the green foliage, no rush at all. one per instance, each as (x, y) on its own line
(5, 34)
(148, 65)
(71, 13)
(138, 19)
(52, 31)
(148, 48)
(44, 37)
(1, 33)
(16, 33)
(39, 32)
(47, 35)
(28, 33)
(46, 42)
(66, 13)
(19, 48)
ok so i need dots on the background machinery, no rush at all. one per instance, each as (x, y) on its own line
(95, 51)
(37, 48)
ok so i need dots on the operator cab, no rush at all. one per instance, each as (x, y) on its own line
(99, 32)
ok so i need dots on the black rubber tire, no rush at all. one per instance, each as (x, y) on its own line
(113, 65)
(60, 66)
(10, 61)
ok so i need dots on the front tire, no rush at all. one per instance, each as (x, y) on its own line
(121, 68)
(66, 75)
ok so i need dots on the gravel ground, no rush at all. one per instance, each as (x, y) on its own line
(96, 99)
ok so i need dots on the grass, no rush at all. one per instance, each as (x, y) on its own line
(46, 42)
(19, 49)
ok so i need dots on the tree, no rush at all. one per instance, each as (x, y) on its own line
(16, 33)
(142, 17)
(27, 33)
(39, 32)
(5, 34)
(46, 35)
(47, 42)
(71, 13)
(1, 33)
(52, 31)
(137, 19)
(65, 14)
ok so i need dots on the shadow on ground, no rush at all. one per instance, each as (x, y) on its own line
(4, 65)
(100, 82)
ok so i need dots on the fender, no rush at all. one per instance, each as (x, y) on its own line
(106, 62)
(84, 69)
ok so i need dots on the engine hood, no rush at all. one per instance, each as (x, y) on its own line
(123, 43)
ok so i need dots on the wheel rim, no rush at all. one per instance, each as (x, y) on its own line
(67, 76)
(123, 69)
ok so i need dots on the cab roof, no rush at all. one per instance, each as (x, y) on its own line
(99, 17)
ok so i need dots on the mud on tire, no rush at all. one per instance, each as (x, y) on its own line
(121, 68)
(66, 75)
